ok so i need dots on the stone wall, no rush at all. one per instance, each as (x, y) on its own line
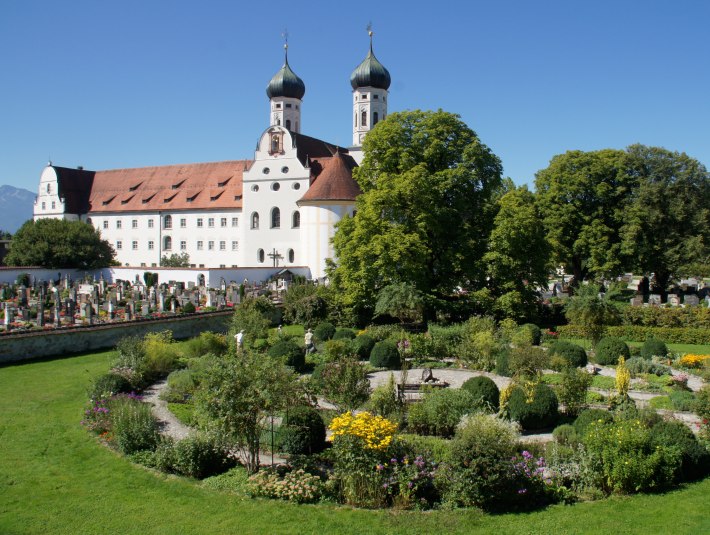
(33, 345)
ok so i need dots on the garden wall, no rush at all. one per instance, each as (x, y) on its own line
(32, 345)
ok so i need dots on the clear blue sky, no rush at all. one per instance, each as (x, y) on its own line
(138, 83)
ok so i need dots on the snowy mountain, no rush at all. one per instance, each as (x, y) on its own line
(16, 205)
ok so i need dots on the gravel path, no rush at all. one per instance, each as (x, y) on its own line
(169, 424)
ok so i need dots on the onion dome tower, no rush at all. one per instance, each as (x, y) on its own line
(285, 92)
(370, 82)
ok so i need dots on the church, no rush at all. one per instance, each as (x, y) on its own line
(278, 209)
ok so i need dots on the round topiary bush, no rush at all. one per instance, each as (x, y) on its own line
(188, 308)
(573, 354)
(485, 391)
(653, 348)
(324, 331)
(362, 345)
(535, 332)
(344, 334)
(108, 384)
(695, 459)
(385, 355)
(540, 413)
(609, 350)
(302, 432)
(588, 416)
(289, 353)
(565, 434)
(200, 457)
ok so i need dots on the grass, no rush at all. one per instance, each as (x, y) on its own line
(57, 479)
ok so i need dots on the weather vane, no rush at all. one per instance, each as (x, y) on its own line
(369, 29)
(284, 34)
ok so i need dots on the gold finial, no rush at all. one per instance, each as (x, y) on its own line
(284, 34)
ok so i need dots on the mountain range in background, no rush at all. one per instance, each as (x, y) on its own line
(16, 207)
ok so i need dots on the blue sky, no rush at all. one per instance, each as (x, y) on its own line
(137, 83)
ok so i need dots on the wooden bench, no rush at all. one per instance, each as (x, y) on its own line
(416, 388)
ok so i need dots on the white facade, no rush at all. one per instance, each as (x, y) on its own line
(369, 108)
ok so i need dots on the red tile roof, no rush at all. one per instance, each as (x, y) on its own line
(333, 180)
(201, 186)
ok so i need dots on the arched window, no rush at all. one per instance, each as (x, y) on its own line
(288, 124)
(275, 218)
(255, 220)
(167, 243)
(296, 220)
(291, 256)
(260, 256)
(375, 118)
(168, 221)
(363, 120)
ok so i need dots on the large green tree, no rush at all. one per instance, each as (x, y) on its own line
(667, 226)
(57, 243)
(425, 213)
(582, 197)
(518, 259)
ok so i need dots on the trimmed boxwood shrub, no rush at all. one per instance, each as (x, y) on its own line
(200, 457)
(289, 352)
(653, 348)
(188, 308)
(609, 350)
(575, 355)
(535, 332)
(362, 346)
(344, 334)
(108, 384)
(385, 355)
(484, 389)
(565, 435)
(440, 411)
(324, 331)
(588, 416)
(503, 363)
(695, 459)
(302, 432)
(639, 333)
(540, 413)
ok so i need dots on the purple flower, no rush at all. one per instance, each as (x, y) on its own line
(522, 491)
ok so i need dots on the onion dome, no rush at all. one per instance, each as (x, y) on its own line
(286, 83)
(370, 73)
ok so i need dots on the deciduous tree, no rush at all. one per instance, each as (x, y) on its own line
(425, 213)
(59, 244)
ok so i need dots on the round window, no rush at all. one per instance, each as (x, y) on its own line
(266, 170)
(296, 185)
(284, 169)
(276, 186)
(255, 187)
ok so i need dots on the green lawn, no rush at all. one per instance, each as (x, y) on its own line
(56, 478)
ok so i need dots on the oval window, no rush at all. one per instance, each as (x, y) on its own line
(266, 170)
(284, 170)
(296, 185)
(276, 186)
(260, 256)
(255, 187)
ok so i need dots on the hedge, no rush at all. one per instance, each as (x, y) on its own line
(638, 333)
(696, 317)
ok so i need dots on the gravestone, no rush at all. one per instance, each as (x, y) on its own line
(111, 312)
(57, 314)
(161, 302)
(129, 311)
(691, 300)
(172, 305)
(8, 315)
(190, 285)
(25, 314)
(636, 301)
(654, 299)
(674, 300)
(90, 313)
(145, 309)
(40, 311)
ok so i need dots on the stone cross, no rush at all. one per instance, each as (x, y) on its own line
(275, 256)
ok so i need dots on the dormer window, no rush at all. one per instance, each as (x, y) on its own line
(177, 184)
(134, 187)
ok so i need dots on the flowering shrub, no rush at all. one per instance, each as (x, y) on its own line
(679, 380)
(623, 378)
(359, 444)
(96, 416)
(692, 360)
(534, 480)
(297, 486)
(408, 483)
(375, 432)
(624, 458)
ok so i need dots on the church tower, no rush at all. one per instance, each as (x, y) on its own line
(370, 82)
(285, 92)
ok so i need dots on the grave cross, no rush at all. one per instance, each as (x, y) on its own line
(275, 256)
